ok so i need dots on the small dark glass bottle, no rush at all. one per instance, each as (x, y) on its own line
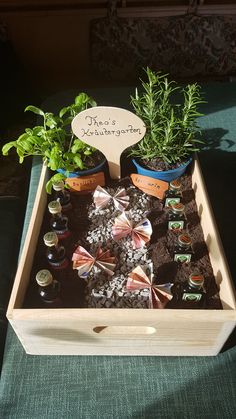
(56, 255)
(49, 288)
(62, 195)
(190, 294)
(183, 251)
(176, 217)
(58, 222)
(173, 195)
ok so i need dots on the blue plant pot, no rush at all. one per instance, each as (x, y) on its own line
(79, 173)
(166, 175)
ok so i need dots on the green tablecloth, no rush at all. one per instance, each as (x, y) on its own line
(138, 387)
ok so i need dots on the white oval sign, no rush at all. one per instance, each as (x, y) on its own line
(111, 130)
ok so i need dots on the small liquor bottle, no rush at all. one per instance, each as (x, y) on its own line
(49, 288)
(176, 217)
(56, 255)
(190, 294)
(62, 195)
(173, 195)
(183, 251)
(58, 222)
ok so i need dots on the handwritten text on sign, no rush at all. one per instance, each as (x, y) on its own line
(111, 130)
(150, 186)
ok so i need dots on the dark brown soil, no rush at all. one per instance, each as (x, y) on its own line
(158, 164)
(94, 160)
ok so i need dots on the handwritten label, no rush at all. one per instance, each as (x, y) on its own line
(111, 130)
(150, 186)
(86, 183)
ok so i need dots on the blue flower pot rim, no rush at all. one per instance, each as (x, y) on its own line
(187, 162)
(85, 172)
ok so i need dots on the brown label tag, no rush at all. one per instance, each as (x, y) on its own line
(150, 186)
(86, 183)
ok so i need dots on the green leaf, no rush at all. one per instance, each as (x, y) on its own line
(38, 131)
(7, 147)
(50, 120)
(78, 162)
(23, 137)
(55, 178)
(68, 120)
(87, 152)
(63, 111)
(26, 145)
(81, 99)
(35, 110)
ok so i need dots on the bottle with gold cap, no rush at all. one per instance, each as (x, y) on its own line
(62, 195)
(183, 251)
(191, 293)
(59, 221)
(176, 217)
(49, 288)
(173, 194)
(56, 255)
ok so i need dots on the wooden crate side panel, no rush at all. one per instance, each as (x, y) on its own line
(213, 241)
(72, 331)
(74, 338)
(26, 260)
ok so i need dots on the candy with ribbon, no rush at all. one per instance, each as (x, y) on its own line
(124, 226)
(159, 294)
(101, 198)
(83, 261)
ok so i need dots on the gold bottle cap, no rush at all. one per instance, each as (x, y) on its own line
(50, 239)
(58, 185)
(44, 278)
(54, 207)
(178, 208)
(184, 240)
(175, 185)
(196, 279)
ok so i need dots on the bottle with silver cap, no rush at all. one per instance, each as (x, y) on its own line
(49, 288)
(173, 194)
(59, 221)
(62, 195)
(183, 251)
(191, 293)
(56, 255)
(176, 217)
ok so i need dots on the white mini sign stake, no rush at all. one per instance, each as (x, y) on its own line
(111, 130)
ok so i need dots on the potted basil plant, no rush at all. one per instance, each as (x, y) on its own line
(172, 134)
(54, 140)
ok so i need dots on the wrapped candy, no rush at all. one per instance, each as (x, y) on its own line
(159, 294)
(140, 233)
(83, 261)
(101, 198)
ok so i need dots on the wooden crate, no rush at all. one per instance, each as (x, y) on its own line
(86, 331)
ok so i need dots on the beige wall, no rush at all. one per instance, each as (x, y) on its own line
(53, 46)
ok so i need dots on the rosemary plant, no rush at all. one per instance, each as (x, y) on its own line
(171, 128)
